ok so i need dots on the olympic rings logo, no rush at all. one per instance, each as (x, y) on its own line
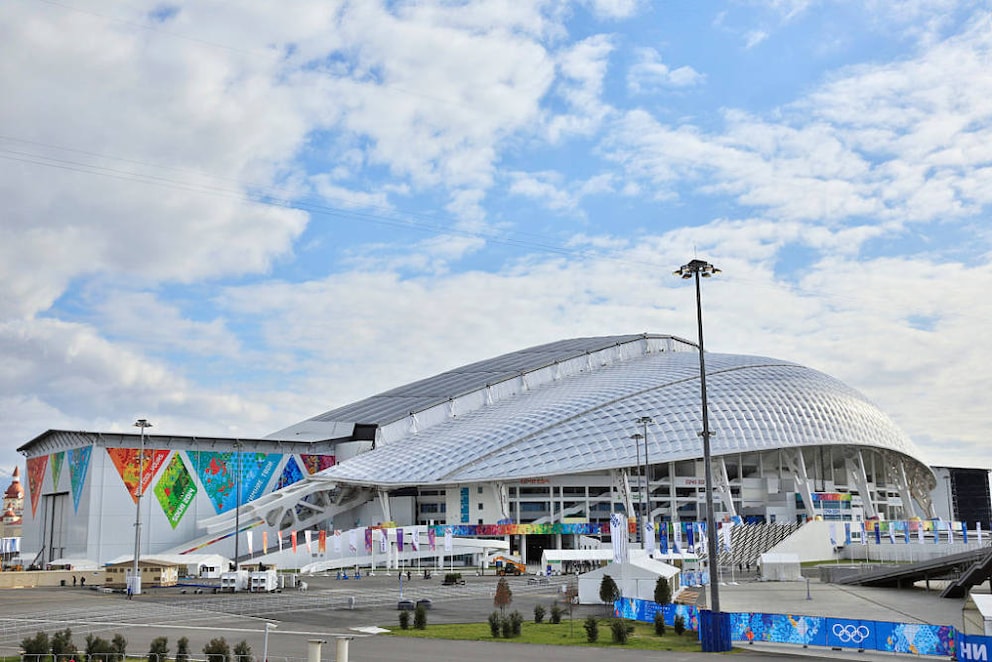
(853, 634)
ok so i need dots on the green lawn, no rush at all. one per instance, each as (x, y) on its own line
(643, 637)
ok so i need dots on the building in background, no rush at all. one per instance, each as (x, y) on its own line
(537, 446)
(963, 495)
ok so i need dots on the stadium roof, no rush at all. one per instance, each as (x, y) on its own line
(578, 416)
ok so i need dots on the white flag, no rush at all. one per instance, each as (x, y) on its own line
(383, 541)
(618, 535)
(727, 530)
(649, 537)
(248, 537)
(950, 532)
(833, 535)
(449, 540)
(978, 531)
(353, 540)
(337, 542)
(280, 541)
(308, 535)
(415, 539)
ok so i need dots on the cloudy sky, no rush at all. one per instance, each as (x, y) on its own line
(227, 217)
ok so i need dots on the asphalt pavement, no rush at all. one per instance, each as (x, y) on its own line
(331, 608)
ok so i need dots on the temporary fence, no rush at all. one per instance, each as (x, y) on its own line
(827, 632)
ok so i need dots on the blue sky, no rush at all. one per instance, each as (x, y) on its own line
(226, 218)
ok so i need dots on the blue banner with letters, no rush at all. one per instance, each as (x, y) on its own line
(973, 647)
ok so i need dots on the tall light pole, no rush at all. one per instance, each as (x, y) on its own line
(141, 424)
(637, 436)
(265, 643)
(697, 269)
(644, 420)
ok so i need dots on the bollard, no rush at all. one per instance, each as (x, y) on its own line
(341, 651)
(313, 649)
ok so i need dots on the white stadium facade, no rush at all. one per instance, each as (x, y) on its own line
(532, 448)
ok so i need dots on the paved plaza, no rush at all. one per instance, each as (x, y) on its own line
(331, 608)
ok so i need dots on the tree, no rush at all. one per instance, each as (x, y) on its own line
(62, 645)
(36, 646)
(118, 647)
(158, 650)
(662, 591)
(571, 597)
(99, 649)
(217, 650)
(182, 649)
(504, 596)
(679, 625)
(242, 652)
(609, 592)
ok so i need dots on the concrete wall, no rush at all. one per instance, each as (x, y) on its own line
(811, 542)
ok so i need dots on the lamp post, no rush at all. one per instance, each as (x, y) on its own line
(644, 420)
(141, 424)
(697, 269)
(265, 641)
(637, 436)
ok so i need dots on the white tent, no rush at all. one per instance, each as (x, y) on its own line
(555, 559)
(780, 567)
(636, 578)
(977, 614)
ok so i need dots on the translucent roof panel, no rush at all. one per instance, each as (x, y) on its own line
(399, 402)
(583, 422)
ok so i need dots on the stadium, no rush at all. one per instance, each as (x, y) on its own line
(536, 448)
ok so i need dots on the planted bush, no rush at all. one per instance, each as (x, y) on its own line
(404, 620)
(556, 613)
(217, 650)
(591, 627)
(516, 623)
(679, 624)
(538, 614)
(242, 652)
(182, 649)
(158, 650)
(494, 624)
(659, 623)
(420, 617)
(618, 629)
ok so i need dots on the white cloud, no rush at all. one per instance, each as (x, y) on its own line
(582, 69)
(649, 73)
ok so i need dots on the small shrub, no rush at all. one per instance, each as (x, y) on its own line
(98, 649)
(62, 645)
(452, 577)
(679, 625)
(36, 645)
(618, 629)
(158, 650)
(538, 614)
(591, 627)
(182, 649)
(516, 623)
(420, 617)
(494, 624)
(404, 620)
(217, 650)
(242, 652)
(659, 623)
(118, 646)
(506, 627)
(556, 613)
